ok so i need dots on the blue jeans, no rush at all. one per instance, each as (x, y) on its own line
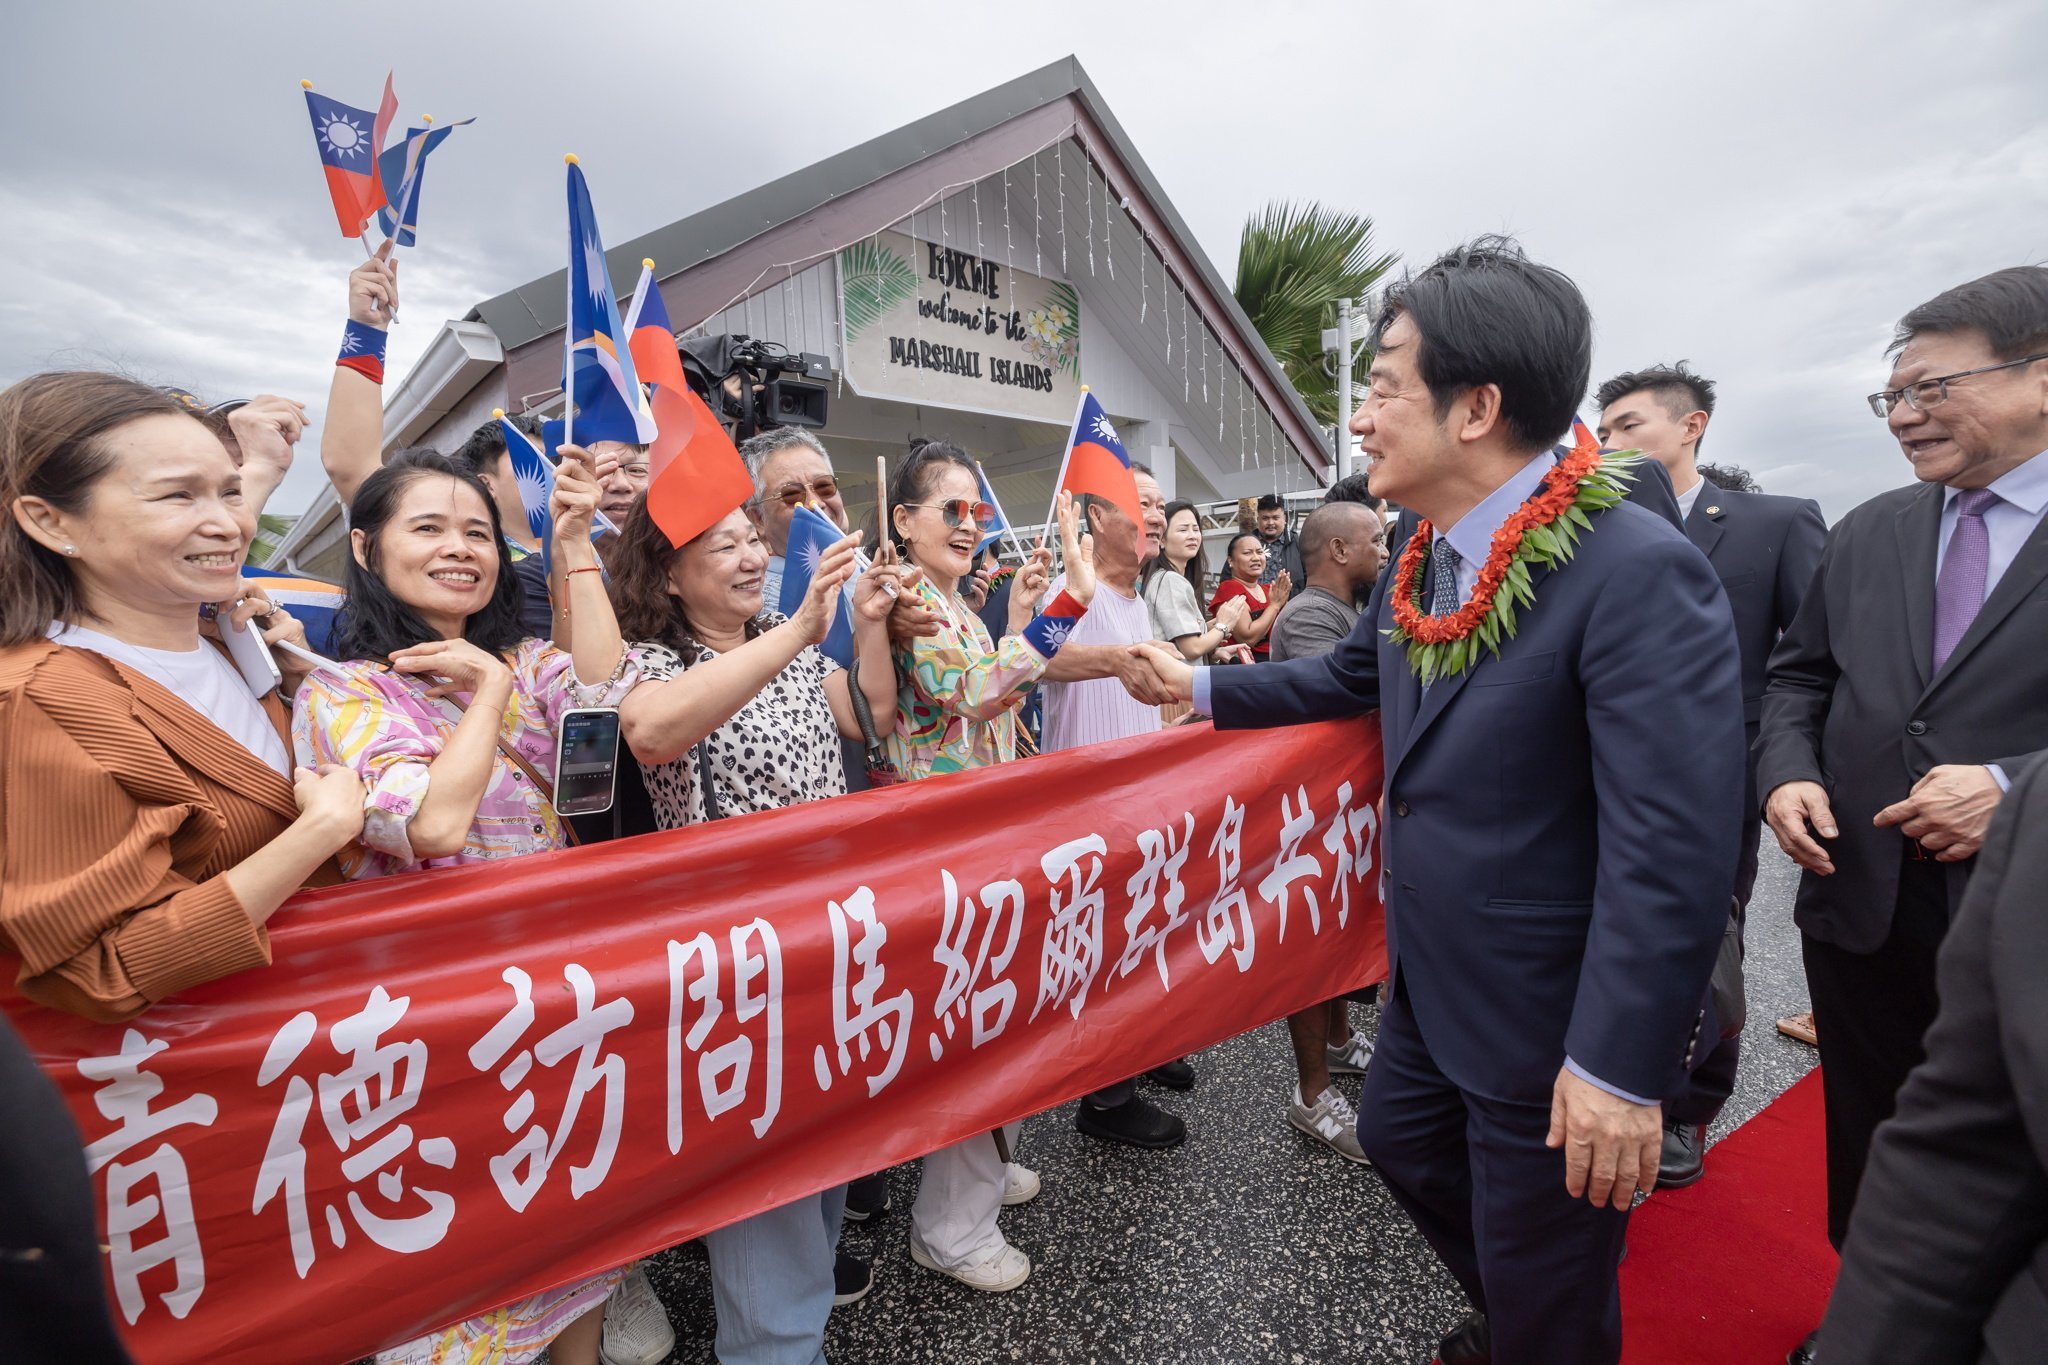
(771, 1282)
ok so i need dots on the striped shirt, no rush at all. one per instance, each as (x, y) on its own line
(1078, 713)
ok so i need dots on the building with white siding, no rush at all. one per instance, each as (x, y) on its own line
(963, 274)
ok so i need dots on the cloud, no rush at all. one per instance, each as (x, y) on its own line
(1760, 187)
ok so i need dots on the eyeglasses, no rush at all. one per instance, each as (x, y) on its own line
(959, 510)
(1928, 392)
(790, 494)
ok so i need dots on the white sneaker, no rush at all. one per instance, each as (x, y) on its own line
(1350, 1057)
(1331, 1121)
(996, 1271)
(1020, 1185)
(636, 1329)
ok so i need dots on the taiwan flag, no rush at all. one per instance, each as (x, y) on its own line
(696, 475)
(1096, 462)
(349, 139)
(1582, 438)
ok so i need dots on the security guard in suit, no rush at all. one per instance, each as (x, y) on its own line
(1764, 550)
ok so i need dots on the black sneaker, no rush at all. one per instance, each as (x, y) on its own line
(866, 1199)
(1175, 1075)
(852, 1278)
(1133, 1122)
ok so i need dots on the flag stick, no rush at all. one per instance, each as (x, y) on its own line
(1051, 513)
(882, 514)
(569, 340)
(1008, 529)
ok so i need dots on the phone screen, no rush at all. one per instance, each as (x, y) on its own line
(586, 761)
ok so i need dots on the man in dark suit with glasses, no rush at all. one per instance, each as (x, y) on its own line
(1911, 689)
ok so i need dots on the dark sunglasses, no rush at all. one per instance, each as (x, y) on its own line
(790, 494)
(958, 511)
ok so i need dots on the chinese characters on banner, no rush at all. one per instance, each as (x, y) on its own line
(454, 1089)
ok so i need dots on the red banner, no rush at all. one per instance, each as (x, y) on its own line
(458, 1088)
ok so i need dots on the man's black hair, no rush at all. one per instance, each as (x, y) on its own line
(1272, 502)
(1676, 386)
(1486, 314)
(1353, 488)
(373, 623)
(2010, 307)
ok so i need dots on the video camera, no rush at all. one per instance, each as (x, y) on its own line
(754, 385)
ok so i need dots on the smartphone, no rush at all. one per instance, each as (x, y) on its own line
(586, 761)
(252, 657)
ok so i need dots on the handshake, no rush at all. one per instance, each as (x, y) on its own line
(1155, 674)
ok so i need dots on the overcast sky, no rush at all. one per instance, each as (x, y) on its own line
(1759, 187)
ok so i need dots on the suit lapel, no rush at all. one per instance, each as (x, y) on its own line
(1425, 705)
(2021, 577)
(1919, 530)
(1703, 523)
(205, 746)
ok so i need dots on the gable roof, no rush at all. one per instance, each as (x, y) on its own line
(537, 309)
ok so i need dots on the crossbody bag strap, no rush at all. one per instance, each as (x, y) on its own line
(540, 784)
(705, 781)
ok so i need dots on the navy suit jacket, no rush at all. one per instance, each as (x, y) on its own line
(1557, 818)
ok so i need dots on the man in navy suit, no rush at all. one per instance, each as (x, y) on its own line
(1764, 550)
(1559, 819)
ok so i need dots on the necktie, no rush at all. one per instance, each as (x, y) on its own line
(1443, 578)
(1959, 588)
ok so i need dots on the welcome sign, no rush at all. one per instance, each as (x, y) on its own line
(932, 324)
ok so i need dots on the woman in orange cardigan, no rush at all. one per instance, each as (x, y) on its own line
(153, 820)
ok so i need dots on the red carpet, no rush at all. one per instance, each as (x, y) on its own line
(1736, 1269)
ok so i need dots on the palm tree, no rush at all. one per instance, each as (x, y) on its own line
(1294, 262)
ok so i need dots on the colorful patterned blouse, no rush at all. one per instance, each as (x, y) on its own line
(383, 725)
(957, 693)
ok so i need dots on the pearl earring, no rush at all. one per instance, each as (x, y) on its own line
(71, 550)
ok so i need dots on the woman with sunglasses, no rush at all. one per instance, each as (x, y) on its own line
(956, 710)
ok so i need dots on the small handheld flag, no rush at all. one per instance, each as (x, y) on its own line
(605, 403)
(402, 168)
(313, 602)
(536, 480)
(1096, 463)
(348, 139)
(811, 533)
(1582, 437)
(696, 475)
(1002, 525)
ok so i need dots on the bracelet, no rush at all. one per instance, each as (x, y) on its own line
(568, 574)
(362, 350)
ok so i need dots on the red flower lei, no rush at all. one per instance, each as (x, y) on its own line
(1555, 496)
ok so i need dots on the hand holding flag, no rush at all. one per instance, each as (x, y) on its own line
(823, 609)
(536, 480)
(812, 538)
(573, 503)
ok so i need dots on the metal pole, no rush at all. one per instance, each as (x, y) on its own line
(1343, 388)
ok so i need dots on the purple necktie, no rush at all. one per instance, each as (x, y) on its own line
(1959, 587)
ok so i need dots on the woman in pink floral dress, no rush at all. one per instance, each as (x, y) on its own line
(441, 683)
